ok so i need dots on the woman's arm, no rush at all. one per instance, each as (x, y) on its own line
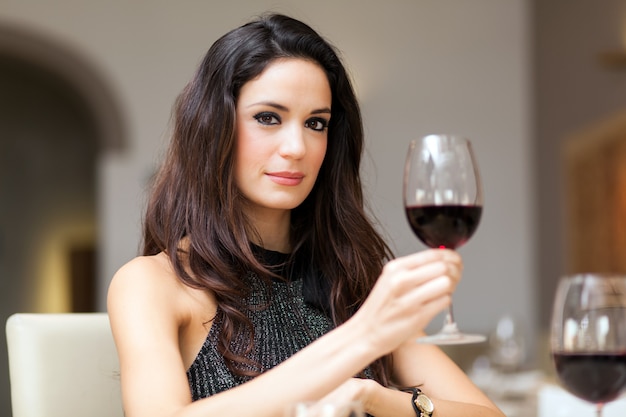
(450, 390)
(148, 310)
(145, 320)
(430, 369)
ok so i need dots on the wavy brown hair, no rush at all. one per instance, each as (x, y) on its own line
(194, 195)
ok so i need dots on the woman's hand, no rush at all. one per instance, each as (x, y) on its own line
(389, 402)
(354, 389)
(376, 399)
(410, 292)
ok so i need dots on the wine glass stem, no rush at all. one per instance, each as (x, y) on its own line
(599, 408)
(449, 326)
(450, 316)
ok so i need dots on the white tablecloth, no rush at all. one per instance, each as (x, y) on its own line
(554, 401)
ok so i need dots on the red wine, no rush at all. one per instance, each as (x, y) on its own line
(446, 226)
(594, 377)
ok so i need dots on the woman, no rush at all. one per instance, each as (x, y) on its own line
(262, 282)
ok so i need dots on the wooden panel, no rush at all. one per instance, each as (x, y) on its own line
(596, 198)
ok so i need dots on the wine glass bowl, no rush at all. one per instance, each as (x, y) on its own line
(443, 201)
(444, 226)
(588, 336)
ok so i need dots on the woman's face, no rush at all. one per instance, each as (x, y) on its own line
(282, 127)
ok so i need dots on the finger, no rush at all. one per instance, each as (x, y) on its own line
(431, 300)
(430, 271)
(418, 259)
(400, 280)
(415, 260)
(427, 301)
(434, 289)
(433, 307)
(455, 272)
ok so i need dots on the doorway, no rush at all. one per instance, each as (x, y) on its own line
(58, 117)
(48, 149)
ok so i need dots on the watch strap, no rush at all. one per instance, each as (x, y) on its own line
(416, 392)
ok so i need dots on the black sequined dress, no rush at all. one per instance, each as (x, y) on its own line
(283, 321)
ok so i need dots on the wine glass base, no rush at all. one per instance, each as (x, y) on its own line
(452, 339)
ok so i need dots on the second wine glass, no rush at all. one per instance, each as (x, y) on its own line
(588, 336)
(443, 199)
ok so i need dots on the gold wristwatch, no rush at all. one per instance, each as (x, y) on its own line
(422, 405)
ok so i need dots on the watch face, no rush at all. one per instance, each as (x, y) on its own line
(425, 404)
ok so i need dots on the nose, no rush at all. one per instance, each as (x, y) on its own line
(292, 143)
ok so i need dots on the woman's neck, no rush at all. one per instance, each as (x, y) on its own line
(272, 229)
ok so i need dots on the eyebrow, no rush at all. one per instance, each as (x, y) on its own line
(323, 110)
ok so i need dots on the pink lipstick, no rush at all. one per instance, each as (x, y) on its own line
(286, 177)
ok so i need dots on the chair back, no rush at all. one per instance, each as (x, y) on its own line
(63, 365)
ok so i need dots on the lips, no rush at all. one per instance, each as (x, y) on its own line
(286, 177)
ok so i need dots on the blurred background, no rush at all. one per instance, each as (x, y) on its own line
(86, 89)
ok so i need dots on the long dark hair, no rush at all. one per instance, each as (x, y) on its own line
(195, 197)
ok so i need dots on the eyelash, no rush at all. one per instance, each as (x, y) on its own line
(270, 119)
(320, 120)
(267, 118)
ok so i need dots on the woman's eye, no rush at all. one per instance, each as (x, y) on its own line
(267, 118)
(317, 124)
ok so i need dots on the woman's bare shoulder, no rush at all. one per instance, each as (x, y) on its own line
(150, 271)
(150, 283)
(147, 301)
(146, 280)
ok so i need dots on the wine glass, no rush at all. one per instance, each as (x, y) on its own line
(507, 348)
(443, 199)
(588, 336)
(325, 409)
